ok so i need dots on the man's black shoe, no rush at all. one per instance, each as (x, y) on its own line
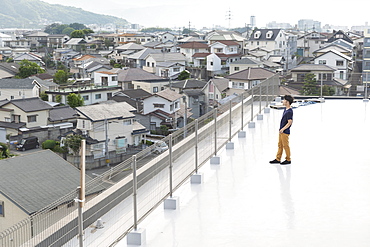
(285, 162)
(275, 161)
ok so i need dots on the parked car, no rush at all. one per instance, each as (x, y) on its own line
(28, 143)
(159, 147)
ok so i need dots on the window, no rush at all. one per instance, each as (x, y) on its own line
(109, 95)
(114, 78)
(98, 96)
(340, 63)
(176, 69)
(211, 63)
(341, 74)
(147, 64)
(171, 107)
(20, 93)
(156, 105)
(31, 119)
(11, 97)
(7, 119)
(85, 97)
(322, 61)
(1, 209)
(236, 69)
(152, 64)
(137, 87)
(155, 89)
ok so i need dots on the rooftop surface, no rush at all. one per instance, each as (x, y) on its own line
(321, 199)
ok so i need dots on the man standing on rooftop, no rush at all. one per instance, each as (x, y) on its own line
(284, 132)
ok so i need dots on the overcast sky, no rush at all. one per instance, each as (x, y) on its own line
(202, 13)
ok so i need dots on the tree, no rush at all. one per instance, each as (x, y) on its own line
(78, 34)
(68, 31)
(60, 77)
(73, 142)
(4, 151)
(87, 31)
(184, 75)
(328, 91)
(28, 68)
(309, 85)
(77, 26)
(75, 100)
(44, 96)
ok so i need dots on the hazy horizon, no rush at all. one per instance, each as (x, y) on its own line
(166, 13)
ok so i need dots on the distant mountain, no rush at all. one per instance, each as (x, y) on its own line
(36, 14)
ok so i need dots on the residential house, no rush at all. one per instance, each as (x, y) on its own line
(137, 59)
(334, 47)
(111, 127)
(322, 73)
(45, 85)
(125, 38)
(134, 78)
(243, 64)
(215, 90)
(180, 86)
(38, 39)
(248, 78)
(260, 54)
(217, 35)
(142, 38)
(160, 64)
(121, 53)
(17, 43)
(339, 35)
(165, 108)
(168, 36)
(19, 88)
(106, 78)
(42, 179)
(29, 57)
(8, 70)
(56, 41)
(272, 39)
(190, 48)
(310, 42)
(4, 37)
(76, 44)
(341, 42)
(95, 67)
(31, 113)
(90, 93)
(196, 101)
(337, 60)
(5, 53)
(190, 39)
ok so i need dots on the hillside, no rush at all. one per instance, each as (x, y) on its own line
(36, 14)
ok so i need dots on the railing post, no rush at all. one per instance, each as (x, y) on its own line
(134, 187)
(251, 123)
(215, 117)
(196, 145)
(260, 86)
(230, 121)
(242, 113)
(81, 193)
(170, 161)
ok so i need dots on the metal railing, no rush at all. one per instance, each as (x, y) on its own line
(191, 147)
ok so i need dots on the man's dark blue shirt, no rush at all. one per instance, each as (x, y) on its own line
(288, 114)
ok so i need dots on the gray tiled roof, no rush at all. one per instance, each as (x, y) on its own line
(136, 93)
(169, 94)
(167, 57)
(62, 113)
(221, 83)
(252, 74)
(44, 82)
(31, 104)
(106, 111)
(17, 83)
(313, 67)
(247, 61)
(136, 74)
(263, 34)
(34, 181)
(188, 84)
(143, 53)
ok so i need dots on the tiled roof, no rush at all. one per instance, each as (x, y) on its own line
(62, 113)
(169, 94)
(228, 42)
(188, 84)
(194, 45)
(201, 54)
(130, 46)
(221, 83)
(171, 56)
(26, 83)
(136, 74)
(136, 93)
(143, 53)
(83, 58)
(30, 104)
(106, 111)
(42, 178)
(247, 61)
(313, 67)
(252, 74)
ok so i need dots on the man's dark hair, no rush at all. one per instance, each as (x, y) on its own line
(289, 98)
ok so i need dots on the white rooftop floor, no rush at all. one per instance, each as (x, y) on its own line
(321, 199)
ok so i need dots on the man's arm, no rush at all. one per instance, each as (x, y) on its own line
(290, 121)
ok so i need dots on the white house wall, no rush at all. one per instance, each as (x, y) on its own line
(149, 105)
(213, 63)
(331, 60)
